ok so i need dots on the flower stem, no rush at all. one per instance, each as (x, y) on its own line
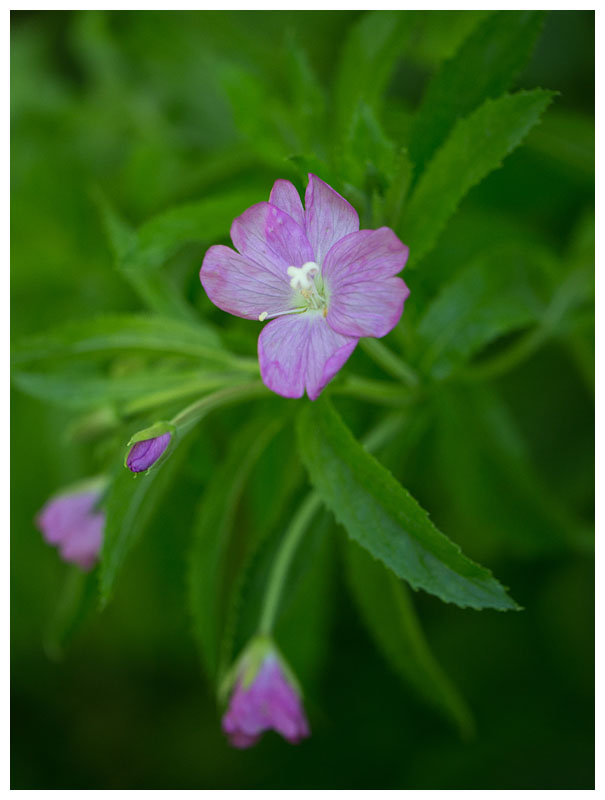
(279, 573)
(389, 362)
(375, 391)
(381, 434)
(186, 418)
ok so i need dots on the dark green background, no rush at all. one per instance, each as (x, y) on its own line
(132, 102)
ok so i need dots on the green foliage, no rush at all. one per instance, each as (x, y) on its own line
(216, 555)
(77, 602)
(480, 398)
(384, 518)
(140, 391)
(502, 290)
(475, 147)
(484, 66)
(130, 504)
(386, 607)
(125, 334)
(368, 57)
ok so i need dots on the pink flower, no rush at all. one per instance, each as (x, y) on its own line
(267, 698)
(322, 282)
(73, 523)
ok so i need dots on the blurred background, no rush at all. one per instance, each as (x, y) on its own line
(160, 108)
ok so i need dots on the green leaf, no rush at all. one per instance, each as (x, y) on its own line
(368, 57)
(140, 253)
(130, 504)
(122, 334)
(485, 66)
(127, 393)
(493, 489)
(207, 220)
(369, 154)
(475, 147)
(388, 612)
(568, 139)
(75, 605)
(384, 518)
(500, 291)
(215, 559)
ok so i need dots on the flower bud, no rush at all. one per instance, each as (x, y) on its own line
(72, 522)
(265, 696)
(148, 446)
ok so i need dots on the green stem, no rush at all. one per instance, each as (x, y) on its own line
(288, 547)
(573, 291)
(382, 392)
(510, 358)
(373, 441)
(231, 394)
(205, 383)
(389, 362)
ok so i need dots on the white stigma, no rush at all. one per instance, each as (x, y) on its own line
(300, 277)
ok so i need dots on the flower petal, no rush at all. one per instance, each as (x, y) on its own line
(284, 195)
(63, 514)
(145, 453)
(270, 237)
(328, 217)
(83, 543)
(242, 740)
(301, 352)
(243, 287)
(365, 297)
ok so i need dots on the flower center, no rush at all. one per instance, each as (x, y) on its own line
(303, 277)
(307, 281)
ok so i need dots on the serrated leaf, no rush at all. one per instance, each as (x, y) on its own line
(213, 560)
(119, 334)
(502, 290)
(387, 610)
(130, 504)
(384, 518)
(476, 146)
(484, 66)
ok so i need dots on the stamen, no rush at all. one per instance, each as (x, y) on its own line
(265, 314)
(301, 276)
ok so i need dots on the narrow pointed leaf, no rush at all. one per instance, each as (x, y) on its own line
(384, 518)
(475, 147)
(502, 290)
(388, 612)
(369, 54)
(484, 66)
(214, 561)
(130, 505)
(122, 334)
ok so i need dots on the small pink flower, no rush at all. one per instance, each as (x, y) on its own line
(73, 522)
(322, 282)
(264, 698)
